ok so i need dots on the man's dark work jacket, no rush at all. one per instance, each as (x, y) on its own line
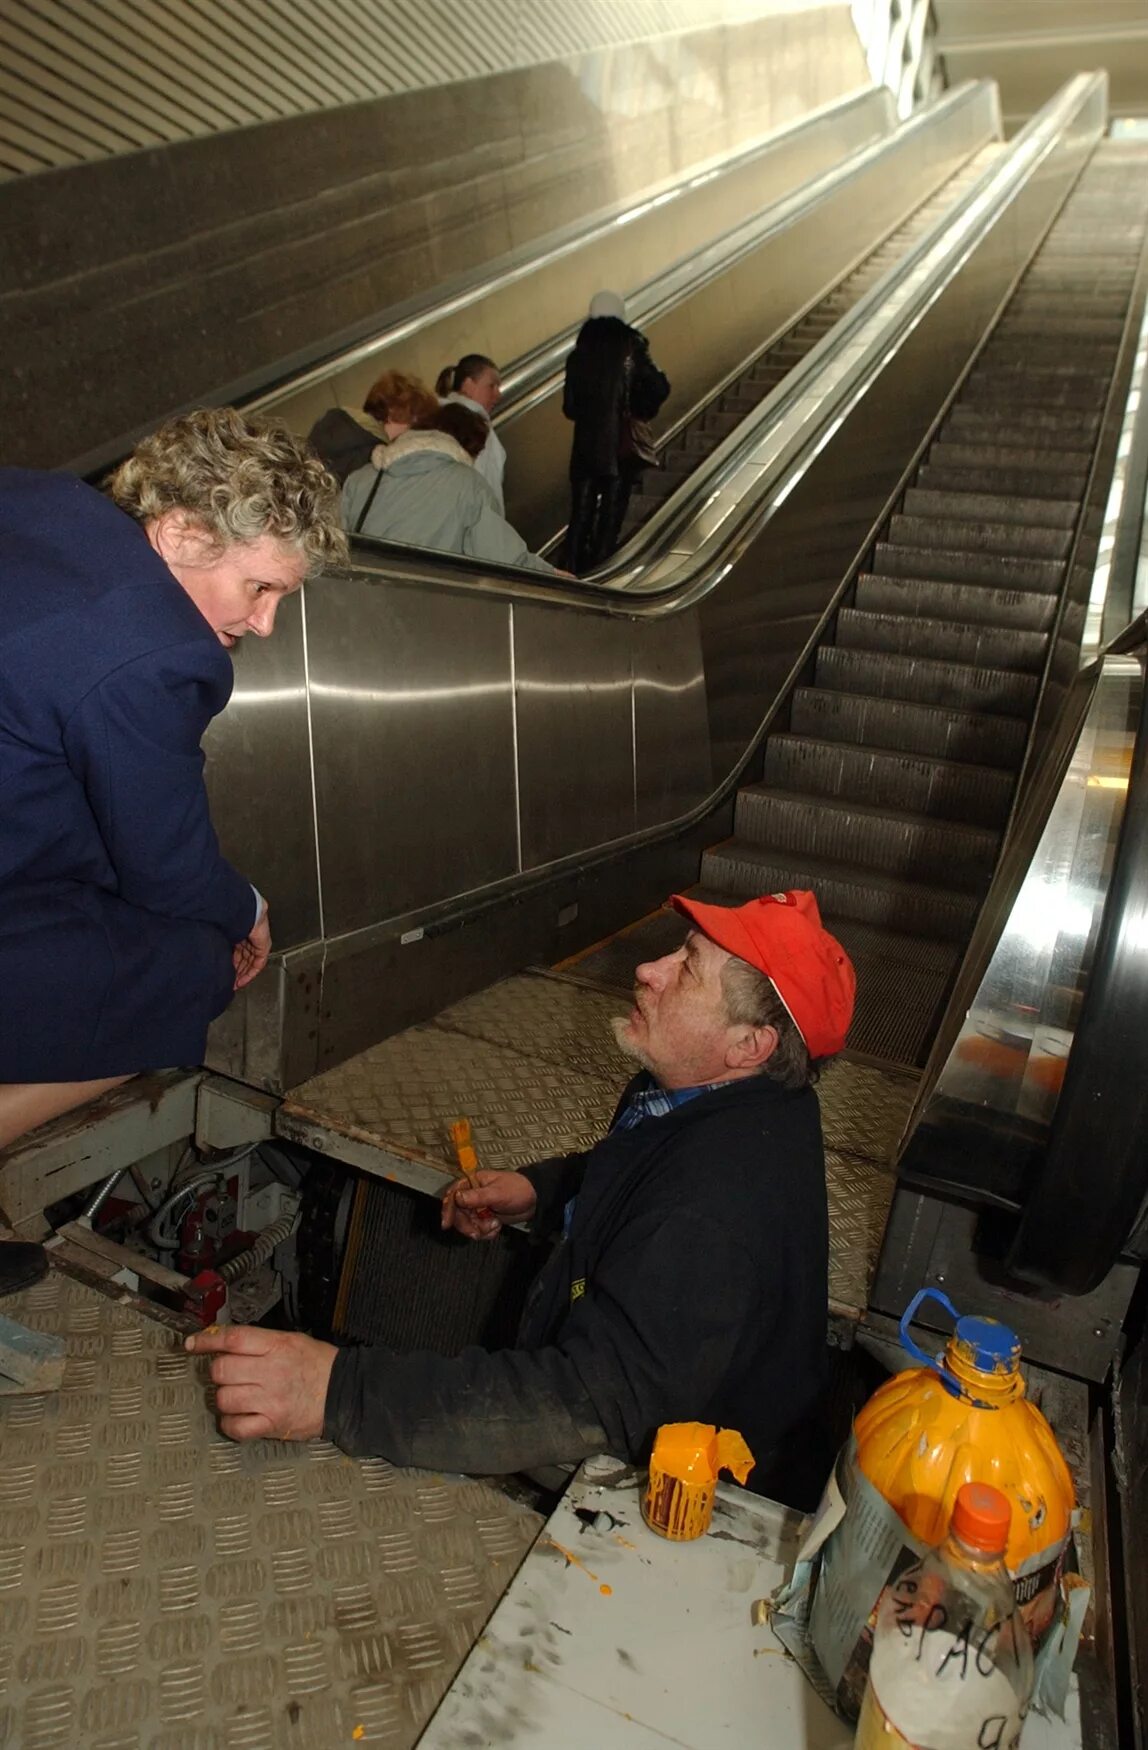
(692, 1285)
(117, 911)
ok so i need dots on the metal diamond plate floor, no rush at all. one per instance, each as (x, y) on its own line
(162, 1587)
(533, 1064)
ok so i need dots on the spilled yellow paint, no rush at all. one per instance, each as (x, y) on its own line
(577, 1562)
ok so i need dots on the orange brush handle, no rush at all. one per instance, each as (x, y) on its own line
(467, 1158)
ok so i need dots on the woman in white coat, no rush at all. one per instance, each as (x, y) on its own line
(476, 382)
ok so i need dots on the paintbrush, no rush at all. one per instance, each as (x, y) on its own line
(464, 1153)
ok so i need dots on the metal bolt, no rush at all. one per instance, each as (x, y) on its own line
(940, 1275)
(1098, 1331)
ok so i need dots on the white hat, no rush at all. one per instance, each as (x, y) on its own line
(608, 304)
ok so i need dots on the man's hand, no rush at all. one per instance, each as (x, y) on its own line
(270, 1385)
(250, 955)
(502, 1196)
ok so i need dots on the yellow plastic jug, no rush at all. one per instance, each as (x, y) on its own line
(963, 1417)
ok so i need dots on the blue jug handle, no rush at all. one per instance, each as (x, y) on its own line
(914, 1349)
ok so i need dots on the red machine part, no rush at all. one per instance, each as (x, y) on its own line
(205, 1297)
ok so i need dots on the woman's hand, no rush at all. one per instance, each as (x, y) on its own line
(501, 1196)
(250, 956)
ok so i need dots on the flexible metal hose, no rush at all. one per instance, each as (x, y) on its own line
(260, 1249)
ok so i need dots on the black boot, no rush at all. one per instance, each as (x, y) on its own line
(612, 510)
(580, 532)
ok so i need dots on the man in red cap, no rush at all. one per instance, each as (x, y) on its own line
(689, 1278)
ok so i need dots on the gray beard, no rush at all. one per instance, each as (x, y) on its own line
(627, 1045)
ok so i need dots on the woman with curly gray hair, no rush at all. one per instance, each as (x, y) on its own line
(123, 931)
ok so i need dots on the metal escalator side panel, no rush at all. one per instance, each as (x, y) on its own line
(1084, 1200)
(985, 1119)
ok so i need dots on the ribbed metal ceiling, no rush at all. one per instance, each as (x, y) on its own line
(1031, 47)
(82, 79)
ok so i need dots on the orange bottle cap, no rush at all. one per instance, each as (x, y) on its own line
(982, 1518)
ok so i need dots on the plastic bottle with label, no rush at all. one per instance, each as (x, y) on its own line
(963, 1417)
(952, 1666)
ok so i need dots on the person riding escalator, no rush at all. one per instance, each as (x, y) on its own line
(613, 388)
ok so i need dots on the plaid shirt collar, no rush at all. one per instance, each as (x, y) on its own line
(648, 1100)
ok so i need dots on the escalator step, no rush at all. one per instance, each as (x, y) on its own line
(1022, 390)
(1079, 281)
(1052, 300)
(910, 847)
(1014, 357)
(866, 719)
(1054, 430)
(1004, 647)
(1001, 570)
(1059, 513)
(925, 681)
(1082, 326)
(1018, 452)
(718, 422)
(1049, 371)
(939, 474)
(973, 604)
(1007, 354)
(843, 891)
(939, 788)
(974, 536)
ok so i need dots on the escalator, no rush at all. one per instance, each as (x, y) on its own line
(425, 750)
(888, 791)
(890, 788)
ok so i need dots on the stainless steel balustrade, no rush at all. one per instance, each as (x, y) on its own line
(419, 738)
(513, 310)
(516, 303)
(703, 313)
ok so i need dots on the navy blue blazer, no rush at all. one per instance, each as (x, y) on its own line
(117, 912)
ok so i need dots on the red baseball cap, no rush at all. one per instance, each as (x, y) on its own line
(783, 936)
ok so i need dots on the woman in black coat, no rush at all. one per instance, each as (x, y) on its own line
(610, 379)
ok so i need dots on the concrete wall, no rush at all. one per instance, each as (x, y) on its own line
(144, 281)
